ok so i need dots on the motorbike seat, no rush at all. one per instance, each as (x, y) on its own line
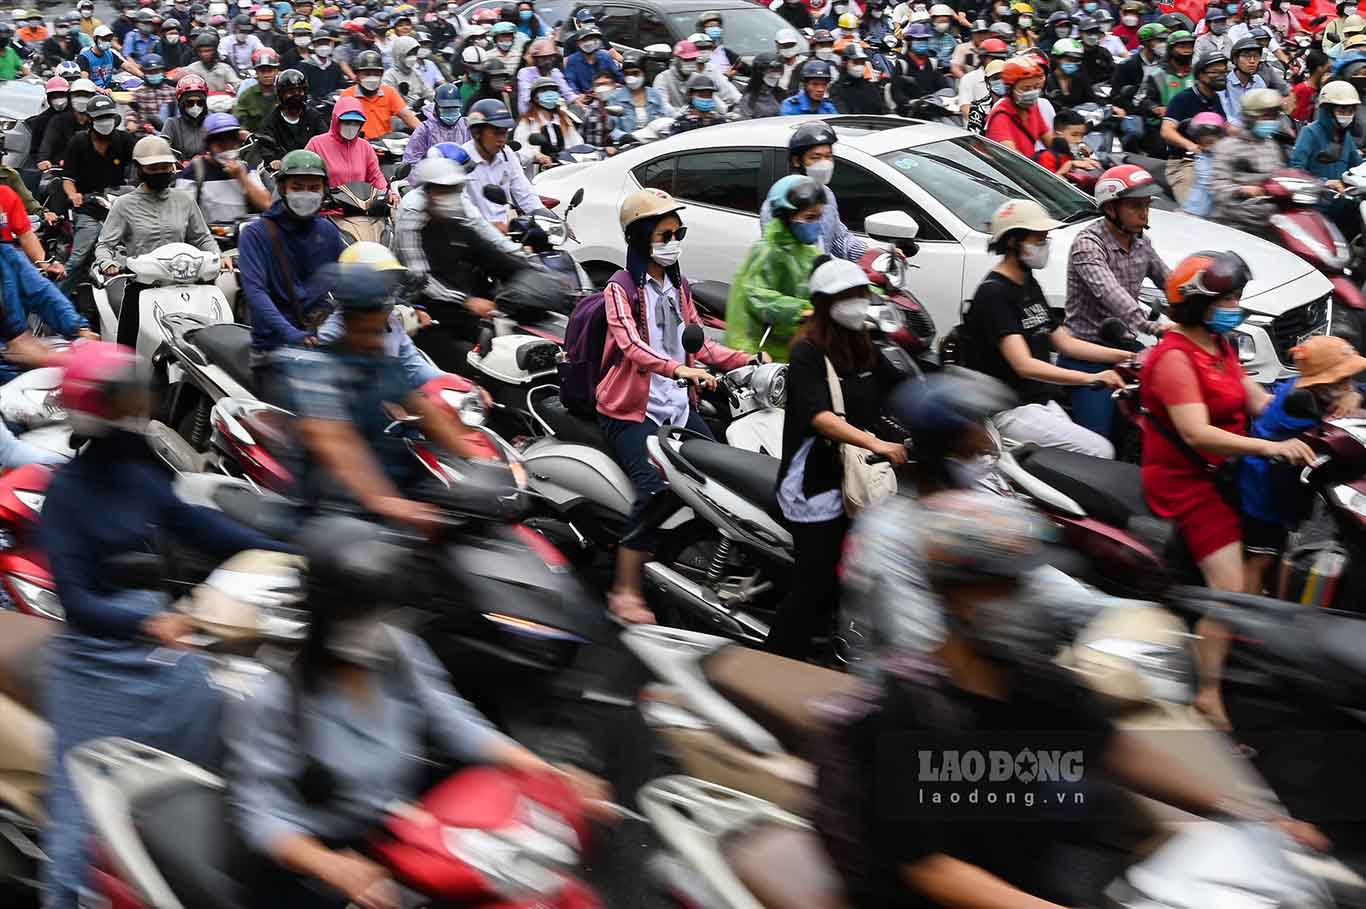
(776, 692)
(746, 473)
(189, 836)
(711, 297)
(568, 426)
(1340, 642)
(784, 867)
(227, 346)
(273, 516)
(23, 652)
(1110, 491)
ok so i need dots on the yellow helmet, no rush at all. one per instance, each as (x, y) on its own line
(1023, 9)
(848, 21)
(375, 255)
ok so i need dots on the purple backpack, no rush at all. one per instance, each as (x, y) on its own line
(585, 337)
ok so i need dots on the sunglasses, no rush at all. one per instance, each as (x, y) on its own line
(669, 235)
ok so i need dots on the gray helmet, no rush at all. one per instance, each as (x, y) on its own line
(701, 82)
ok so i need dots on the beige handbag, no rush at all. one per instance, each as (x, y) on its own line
(864, 483)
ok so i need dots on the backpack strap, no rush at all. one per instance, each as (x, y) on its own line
(282, 261)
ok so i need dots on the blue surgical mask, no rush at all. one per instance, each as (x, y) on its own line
(155, 78)
(706, 105)
(1232, 9)
(806, 232)
(1069, 69)
(920, 47)
(1265, 129)
(714, 32)
(524, 15)
(448, 114)
(998, 88)
(1090, 7)
(548, 100)
(1225, 320)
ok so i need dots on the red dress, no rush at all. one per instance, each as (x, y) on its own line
(1175, 487)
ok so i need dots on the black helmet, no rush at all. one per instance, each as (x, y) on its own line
(350, 568)
(206, 38)
(632, 60)
(368, 59)
(1210, 57)
(854, 51)
(941, 411)
(1245, 43)
(290, 78)
(808, 136)
(1177, 22)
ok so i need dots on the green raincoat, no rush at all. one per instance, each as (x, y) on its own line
(770, 289)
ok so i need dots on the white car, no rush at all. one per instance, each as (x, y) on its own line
(948, 180)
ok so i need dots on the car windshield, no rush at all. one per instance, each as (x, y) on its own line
(748, 30)
(971, 177)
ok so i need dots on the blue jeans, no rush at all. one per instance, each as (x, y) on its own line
(627, 439)
(1091, 407)
(86, 233)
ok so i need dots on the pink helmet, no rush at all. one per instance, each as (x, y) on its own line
(95, 372)
(56, 84)
(1206, 123)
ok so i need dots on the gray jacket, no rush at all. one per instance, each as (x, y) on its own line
(141, 221)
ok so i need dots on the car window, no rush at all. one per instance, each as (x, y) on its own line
(658, 174)
(861, 194)
(748, 30)
(653, 30)
(618, 24)
(725, 179)
(971, 176)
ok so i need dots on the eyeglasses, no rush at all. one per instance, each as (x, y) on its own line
(669, 236)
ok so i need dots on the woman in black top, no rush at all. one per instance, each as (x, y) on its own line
(1009, 333)
(811, 475)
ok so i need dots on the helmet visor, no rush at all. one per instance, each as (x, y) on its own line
(1227, 273)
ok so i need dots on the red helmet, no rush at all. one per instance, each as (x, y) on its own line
(1125, 181)
(1018, 68)
(993, 46)
(264, 56)
(95, 372)
(190, 83)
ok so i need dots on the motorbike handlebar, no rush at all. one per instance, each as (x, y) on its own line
(883, 459)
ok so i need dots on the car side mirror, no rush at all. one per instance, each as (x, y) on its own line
(1302, 405)
(693, 338)
(891, 226)
(496, 195)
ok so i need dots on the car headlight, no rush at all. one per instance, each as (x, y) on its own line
(37, 598)
(769, 384)
(1247, 346)
(467, 404)
(1351, 498)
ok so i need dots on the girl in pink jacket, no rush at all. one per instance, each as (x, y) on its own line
(347, 154)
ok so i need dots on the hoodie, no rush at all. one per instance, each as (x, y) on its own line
(408, 81)
(27, 292)
(309, 244)
(1320, 137)
(347, 161)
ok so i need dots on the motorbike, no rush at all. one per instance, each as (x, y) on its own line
(942, 107)
(389, 149)
(361, 212)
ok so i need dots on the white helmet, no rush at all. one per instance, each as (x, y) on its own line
(103, 31)
(83, 86)
(1339, 92)
(1020, 214)
(218, 9)
(941, 9)
(437, 170)
(472, 56)
(787, 36)
(920, 15)
(837, 276)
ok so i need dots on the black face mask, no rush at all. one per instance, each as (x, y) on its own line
(294, 105)
(158, 182)
(1182, 59)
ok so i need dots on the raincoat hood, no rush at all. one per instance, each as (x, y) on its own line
(345, 105)
(403, 47)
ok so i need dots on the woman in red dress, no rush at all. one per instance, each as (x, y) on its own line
(1195, 391)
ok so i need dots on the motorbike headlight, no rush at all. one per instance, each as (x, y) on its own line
(32, 500)
(769, 384)
(183, 268)
(37, 598)
(554, 230)
(888, 318)
(1247, 347)
(1351, 499)
(467, 404)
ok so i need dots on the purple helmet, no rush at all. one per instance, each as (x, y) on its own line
(918, 30)
(220, 123)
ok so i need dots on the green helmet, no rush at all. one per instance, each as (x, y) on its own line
(1151, 31)
(302, 163)
(1181, 36)
(1067, 47)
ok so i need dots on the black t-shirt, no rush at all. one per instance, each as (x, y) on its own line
(92, 171)
(1049, 727)
(1186, 104)
(1001, 308)
(808, 394)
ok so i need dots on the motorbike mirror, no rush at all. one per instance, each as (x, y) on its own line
(496, 195)
(575, 199)
(514, 145)
(615, 110)
(1114, 333)
(891, 226)
(693, 338)
(1302, 405)
(134, 570)
(536, 139)
(486, 341)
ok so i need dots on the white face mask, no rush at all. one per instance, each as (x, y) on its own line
(349, 131)
(410, 61)
(58, 103)
(424, 52)
(303, 204)
(941, 27)
(588, 47)
(105, 125)
(634, 82)
(856, 70)
(79, 103)
(821, 171)
(666, 254)
(772, 79)
(323, 50)
(1130, 21)
(226, 157)
(687, 67)
(825, 53)
(1344, 119)
(604, 91)
(1034, 255)
(193, 110)
(370, 83)
(446, 205)
(850, 314)
(788, 52)
(302, 42)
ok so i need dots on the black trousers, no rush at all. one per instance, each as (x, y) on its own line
(810, 609)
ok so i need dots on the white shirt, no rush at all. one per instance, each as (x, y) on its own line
(504, 170)
(667, 402)
(972, 87)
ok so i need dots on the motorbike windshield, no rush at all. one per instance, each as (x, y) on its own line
(971, 177)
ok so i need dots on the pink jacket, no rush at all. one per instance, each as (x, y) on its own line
(628, 360)
(347, 161)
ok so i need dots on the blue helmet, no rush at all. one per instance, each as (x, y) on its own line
(153, 61)
(215, 124)
(451, 151)
(448, 104)
(794, 193)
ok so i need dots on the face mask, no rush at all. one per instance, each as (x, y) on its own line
(1130, 21)
(604, 91)
(704, 54)
(424, 52)
(79, 103)
(589, 47)
(158, 183)
(1160, 50)
(821, 172)
(448, 115)
(263, 26)
(825, 53)
(787, 52)
(59, 103)
(714, 33)
(410, 61)
(1224, 320)
(302, 42)
(1344, 120)
(145, 29)
(806, 232)
(1090, 39)
(1026, 22)
(1231, 9)
(505, 46)
(1182, 59)
(548, 100)
(172, 38)
(917, 47)
(447, 205)
(1107, 27)
(705, 105)
(1090, 7)
(1034, 255)
(634, 82)
(1219, 28)
(302, 204)
(998, 88)
(364, 642)
(941, 27)
(1265, 129)
(370, 84)
(1218, 83)
(105, 125)
(856, 70)
(1027, 99)
(1070, 69)
(102, 46)
(545, 66)
(850, 314)
(687, 68)
(349, 131)
(322, 51)
(524, 15)
(1062, 32)
(1255, 23)
(666, 254)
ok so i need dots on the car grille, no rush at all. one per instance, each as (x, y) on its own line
(1289, 328)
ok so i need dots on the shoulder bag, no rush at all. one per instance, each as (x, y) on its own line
(863, 483)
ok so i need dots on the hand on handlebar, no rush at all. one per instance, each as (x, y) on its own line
(168, 628)
(1107, 379)
(480, 306)
(1293, 451)
(365, 883)
(418, 515)
(699, 377)
(892, 451)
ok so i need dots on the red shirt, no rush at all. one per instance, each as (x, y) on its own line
(1128, 35)
(13, 218)
(1006, 123)
(1304, 102)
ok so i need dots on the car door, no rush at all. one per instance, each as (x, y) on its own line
(618, 24)
(937, 278)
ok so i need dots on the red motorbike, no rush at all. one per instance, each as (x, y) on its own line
(25, 579)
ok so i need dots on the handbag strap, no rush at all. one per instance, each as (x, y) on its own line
(836, 392)
(274, 230)
(1171, 435)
